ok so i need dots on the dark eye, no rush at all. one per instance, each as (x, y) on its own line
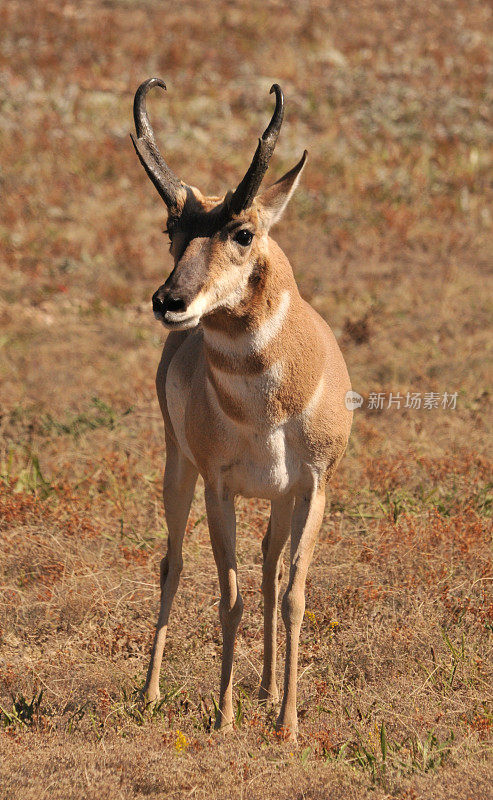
(243, 237)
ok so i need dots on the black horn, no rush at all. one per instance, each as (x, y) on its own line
(169, 186)
(245, 193)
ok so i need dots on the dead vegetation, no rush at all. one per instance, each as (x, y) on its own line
(390, 237)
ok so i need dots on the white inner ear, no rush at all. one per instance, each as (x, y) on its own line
(274, 200)
(275, 209)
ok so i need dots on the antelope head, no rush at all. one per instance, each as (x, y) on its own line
(218, 244)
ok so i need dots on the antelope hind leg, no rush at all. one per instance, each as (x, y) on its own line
(272, 547)
(307, 518)
(222, 529)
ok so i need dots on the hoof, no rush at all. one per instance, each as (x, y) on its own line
(223, 727)
(150, 698)
(286, 731)
(268, 696)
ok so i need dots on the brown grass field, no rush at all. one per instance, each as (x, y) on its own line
(390, 237)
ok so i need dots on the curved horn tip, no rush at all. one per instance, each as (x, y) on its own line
(150, 82)
(140, 111)
(279, 95)
(140, 100)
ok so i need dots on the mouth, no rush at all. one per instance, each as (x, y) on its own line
(176, 321)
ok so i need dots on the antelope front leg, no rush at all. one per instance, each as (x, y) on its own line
(222, 528)
(178, 486)
(272, 547)
(307, 518)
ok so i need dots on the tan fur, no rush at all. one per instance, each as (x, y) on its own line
(253, 400)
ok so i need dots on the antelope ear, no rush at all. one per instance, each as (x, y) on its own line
(273, 200)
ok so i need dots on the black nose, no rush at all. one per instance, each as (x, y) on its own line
(162, 304)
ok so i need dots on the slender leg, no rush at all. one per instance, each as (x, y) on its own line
(273, 546)
(180, 477)
(222, 528)
(307, 518)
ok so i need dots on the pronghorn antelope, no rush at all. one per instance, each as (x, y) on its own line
(251, 386)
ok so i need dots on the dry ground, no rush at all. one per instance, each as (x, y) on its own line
(390, 239)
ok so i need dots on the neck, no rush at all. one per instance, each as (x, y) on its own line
(247, 329)
(245, 347)
(264, 359)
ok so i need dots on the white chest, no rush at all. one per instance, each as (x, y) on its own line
(261, 465)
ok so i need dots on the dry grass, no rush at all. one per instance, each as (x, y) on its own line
(392, 101)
